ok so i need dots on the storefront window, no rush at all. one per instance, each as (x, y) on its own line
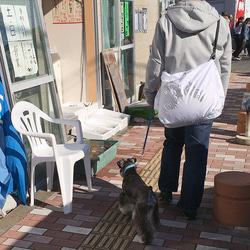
(128, 71)
(126, 19)
(23, 40)
(120, 37)
(109, 10)
(27, 57)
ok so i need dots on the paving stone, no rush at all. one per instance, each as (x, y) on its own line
(116, 195)
(201, 247)
(83, 196)
(242, 240)
(214, 236)
(18, 243)
(169, 236)
(170, 223)
(77, 230)
(18, 248)
(43, 211)
(38, 238)
(121, 243)
(69, 222)
(32, 230)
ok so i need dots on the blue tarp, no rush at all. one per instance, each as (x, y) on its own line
(13, 161)
(5, 176)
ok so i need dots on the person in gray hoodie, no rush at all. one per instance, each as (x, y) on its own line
(183, 40)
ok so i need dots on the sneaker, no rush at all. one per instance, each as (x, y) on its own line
(236, 58)
(187, 215)
(166, 196)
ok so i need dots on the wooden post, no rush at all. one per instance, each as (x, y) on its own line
(90, 49)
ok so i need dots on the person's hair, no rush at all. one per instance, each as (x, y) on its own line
(247, 20)
(240, 20)
(224, 13)
(245, 23)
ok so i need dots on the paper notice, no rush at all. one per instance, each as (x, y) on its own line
(20, 40)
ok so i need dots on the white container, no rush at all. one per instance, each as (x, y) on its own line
(91, 131)
(96, 123)
(114, 126)
(116, 117)
(81, 109)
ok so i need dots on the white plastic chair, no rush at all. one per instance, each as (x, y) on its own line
(26, 119)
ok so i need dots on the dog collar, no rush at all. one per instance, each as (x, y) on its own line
(129, 166)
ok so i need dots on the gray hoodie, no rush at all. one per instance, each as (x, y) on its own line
(184, 39)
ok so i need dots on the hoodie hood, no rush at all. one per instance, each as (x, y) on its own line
(192, 16)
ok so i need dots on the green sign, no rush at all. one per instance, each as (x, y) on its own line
(126, 18)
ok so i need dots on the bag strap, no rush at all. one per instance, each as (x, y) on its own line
(215, 41)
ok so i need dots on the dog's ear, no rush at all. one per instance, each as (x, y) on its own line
(134, 160)
(120, 163)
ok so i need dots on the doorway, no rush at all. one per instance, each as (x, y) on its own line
(119, 36)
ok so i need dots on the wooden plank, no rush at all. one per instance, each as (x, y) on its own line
(106, 59)
(115, 80)
(118, 87)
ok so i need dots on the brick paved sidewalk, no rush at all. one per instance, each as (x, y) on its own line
(96, 223)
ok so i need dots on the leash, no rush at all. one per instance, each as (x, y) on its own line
(145, 141)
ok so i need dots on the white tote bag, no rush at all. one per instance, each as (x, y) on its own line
(190, 97)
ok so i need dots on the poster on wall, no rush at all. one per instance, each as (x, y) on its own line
(67, 12)
(141, 20)
(20, 40)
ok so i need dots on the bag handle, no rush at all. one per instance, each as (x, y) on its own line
(215, 41)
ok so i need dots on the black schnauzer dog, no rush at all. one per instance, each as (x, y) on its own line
(139, 199)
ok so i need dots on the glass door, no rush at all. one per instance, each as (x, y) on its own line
(119, 35)
(25, 58)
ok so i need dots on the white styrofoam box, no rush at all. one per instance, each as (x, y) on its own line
(106, 118)
(91, 107)
(104, 123)
(81, 109)
(96, 123)
(71, 109)
(91, 131)
(70, 116)
(121, 118)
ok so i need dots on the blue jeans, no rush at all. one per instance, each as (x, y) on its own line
(196, 141)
